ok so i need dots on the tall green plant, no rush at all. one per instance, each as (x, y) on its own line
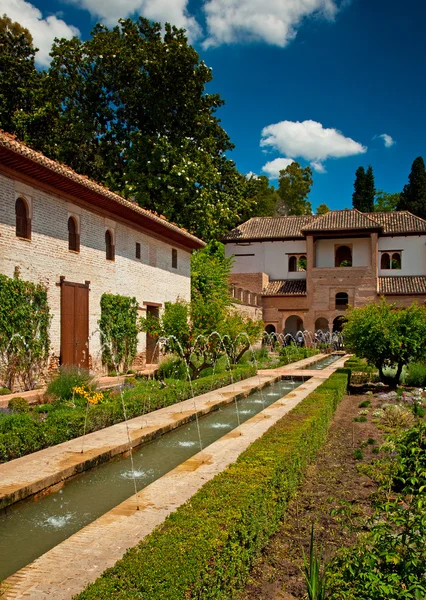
(119, 332)
(315, 578)
(24, 331)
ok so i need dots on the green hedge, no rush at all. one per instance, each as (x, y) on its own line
(50, 424)
(206, 548)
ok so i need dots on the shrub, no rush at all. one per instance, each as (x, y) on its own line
(119, 332)
(358, 455)
(206, 548)
(18, 405)
(416, 376)
(172, 367)
(4, 391)
(364, 404)
(61, 386)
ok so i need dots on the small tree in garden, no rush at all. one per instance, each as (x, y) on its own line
(24, 331)
(387, 336)
(240, 332)
(119, 332)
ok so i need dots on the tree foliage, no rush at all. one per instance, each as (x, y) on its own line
(128, 108)
(385, 202)
(264, 196)
(386, 336)
(413, 196)
(364, 190)
(119, 333)
(294, 185)
(322, 209)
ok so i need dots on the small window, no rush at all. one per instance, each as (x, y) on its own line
(343, 257)
(73, 235)
(174, 258)
(396, 260)
(342, 300)
(302, 263)
(109, 246)
(292, 264)
(385, 261)
(138, 250)
(23, 222)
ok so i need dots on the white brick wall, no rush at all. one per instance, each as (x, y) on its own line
(46, 257)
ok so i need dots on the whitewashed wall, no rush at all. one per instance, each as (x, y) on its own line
(413, 255)
(266, 257)
(361, 251)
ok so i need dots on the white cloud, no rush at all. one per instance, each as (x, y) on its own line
(172, 11)
(388, 140)
(273, 21)
(251, 175)
(309, 140)
(273, 167)
(43, 30)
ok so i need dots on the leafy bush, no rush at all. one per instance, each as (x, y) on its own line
(293, 353)
(69, 376)
(18, 405)
(172, 367)
(416, 376)
(119, 332)
(5, 391)
(49, 424)
(206, 548)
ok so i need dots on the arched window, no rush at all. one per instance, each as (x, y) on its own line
(342, 300)
(73, 235)
(396, 260)
(110, 248)
(23, 222)
(385, 261)
(301, 263)
(292, 264)
(343, 257)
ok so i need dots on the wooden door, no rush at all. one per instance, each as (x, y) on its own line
(152, 351)
(75, 324)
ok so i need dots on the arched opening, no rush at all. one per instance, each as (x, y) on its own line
(292, 264)
(73, 235)
(109, 245)
(385, 261)
(338, 324)
(343, 257)
(23, 223)
(302, 263)
(293, 324)
(396, 260)
(270, 329)
(321, 324)
(342, 300)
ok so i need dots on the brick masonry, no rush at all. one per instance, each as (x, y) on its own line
(45, 258)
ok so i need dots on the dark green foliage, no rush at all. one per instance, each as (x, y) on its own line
(376, 450)
(5, 391)
(293, 353)
(385, 202)
(371, 441)
(173, 367)
(206, 548)
(416, 375)
(358, 455)
(68, 377)
(18, 405)
(49, 424)
(24, 331)
(413, 196)
(364, 404)
(264, 195)
(364, 190)
(316, 581)
(119, 332)
(361, 419)
(410, 475)
(294, 185)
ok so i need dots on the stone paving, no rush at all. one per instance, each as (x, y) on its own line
(69, 567)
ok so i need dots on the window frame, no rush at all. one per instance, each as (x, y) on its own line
(76, 234)
(22, 228)
(174, 258)
(109, 247)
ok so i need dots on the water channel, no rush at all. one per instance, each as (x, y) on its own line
(31, 528)
(323, 363)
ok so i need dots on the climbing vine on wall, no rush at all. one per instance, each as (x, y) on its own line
(24, 332)
(119, 333)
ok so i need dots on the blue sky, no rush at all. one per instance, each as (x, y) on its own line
(322, 79)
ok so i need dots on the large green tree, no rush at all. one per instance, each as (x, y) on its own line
(364, 190)
(385, 202)
(128, 107)
(294, 185)
(413, 196)
(264, 196)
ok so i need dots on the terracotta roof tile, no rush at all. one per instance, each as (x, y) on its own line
(408, 284)
(264, 228)
(338, 220)
(286, 287)
(10, 143)
(399, 222)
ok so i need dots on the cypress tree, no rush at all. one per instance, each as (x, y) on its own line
(359, 188)
(369, 191)
(413, 196)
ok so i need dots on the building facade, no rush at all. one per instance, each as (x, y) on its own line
(81, 240)
(308, 269)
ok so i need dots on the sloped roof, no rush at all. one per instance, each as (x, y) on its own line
(404, 284)
(264, 228)
(19, 157)
(398, 222)
(340, 220)
(286, 287)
